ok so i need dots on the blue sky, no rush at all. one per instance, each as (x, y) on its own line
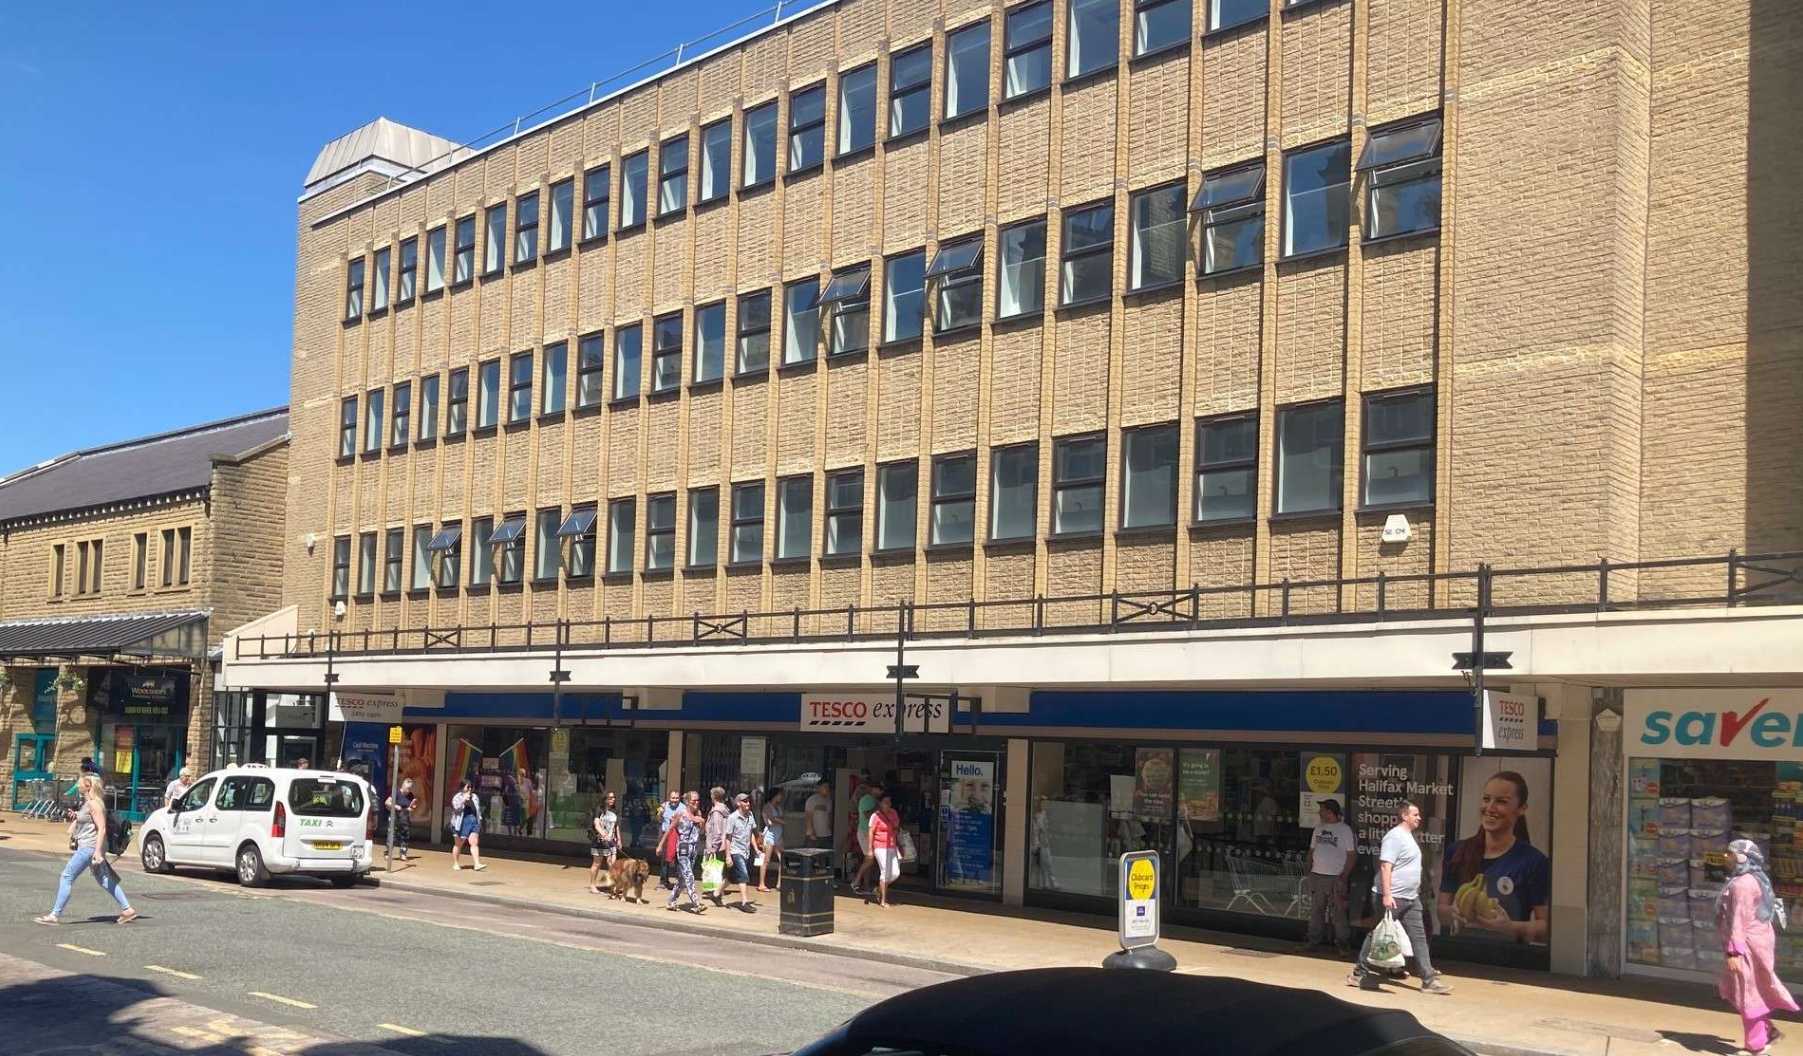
(153, 154)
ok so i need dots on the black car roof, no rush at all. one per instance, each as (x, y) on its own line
(1096, 1010)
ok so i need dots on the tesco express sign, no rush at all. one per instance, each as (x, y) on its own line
(1714, 723)
(872, 713)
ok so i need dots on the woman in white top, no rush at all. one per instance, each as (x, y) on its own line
(466, 825)
(773, 839)
(87, 836)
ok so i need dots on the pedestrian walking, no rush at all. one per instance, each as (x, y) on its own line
(1398, 890)
(772, 840)
(885, 846)
(688, 824)
(87, 841)
(867, 806)
(603, 840)
(401, 806)
(663, 828)
(741, 831)
(818, 810)
(1039, 846)
(178, 787)
(466, 825)
(1332, 851)
(717, 815)
(1744, 914)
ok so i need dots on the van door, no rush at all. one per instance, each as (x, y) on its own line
(325, 817)
(188, 825)
(245, 805)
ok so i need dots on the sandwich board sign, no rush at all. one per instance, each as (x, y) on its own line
(1139, 899)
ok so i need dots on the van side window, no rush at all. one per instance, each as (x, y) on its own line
(247, 793)
(198, 795)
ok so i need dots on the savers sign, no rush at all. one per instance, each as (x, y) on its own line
(1713, 723)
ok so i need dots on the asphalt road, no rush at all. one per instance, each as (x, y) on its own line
(305, 969)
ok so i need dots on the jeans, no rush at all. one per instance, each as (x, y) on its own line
(685, 875)
(83, 858)
(1408, 914)
(403, 831)
(1324, 905)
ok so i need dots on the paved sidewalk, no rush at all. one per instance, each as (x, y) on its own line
(1498, 1011)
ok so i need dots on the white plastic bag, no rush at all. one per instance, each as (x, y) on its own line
(1389, 944)
(908, 851)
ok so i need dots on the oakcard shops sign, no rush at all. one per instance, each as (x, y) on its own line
(871, 713)
(1713, 723)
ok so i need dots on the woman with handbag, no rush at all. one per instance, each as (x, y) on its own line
(466, 826)
(885, 845)
(87, 839)
(685, 830)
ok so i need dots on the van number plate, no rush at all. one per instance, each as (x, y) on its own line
(327, 845)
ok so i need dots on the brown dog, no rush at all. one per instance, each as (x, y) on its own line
(628, 872)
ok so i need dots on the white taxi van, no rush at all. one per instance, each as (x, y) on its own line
(257, 821)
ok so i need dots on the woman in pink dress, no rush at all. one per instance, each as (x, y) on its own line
(1744, 914)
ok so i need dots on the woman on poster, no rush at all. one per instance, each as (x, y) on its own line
(1744, 914)
(1497, 880)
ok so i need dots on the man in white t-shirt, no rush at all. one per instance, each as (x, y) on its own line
(819, 811)
(1331, 854)
(1398, 890)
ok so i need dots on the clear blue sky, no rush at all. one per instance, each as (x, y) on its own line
(153, 153)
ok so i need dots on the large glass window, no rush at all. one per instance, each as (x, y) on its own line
(1310, 452)
(622, 515)
(844, 512)
(435, 259)
(794, 517)
(760, 146)
(897, 495)
(1092, 803)
(1077, 475)
(710, 342)
(457, 403)
(954, 499)
(1399, 448)
(1159, 24)
(1157, 237)
(967, 70)
(801, 321)
(509, 542)
(807, 128)
(754, 333)
(1088, 254)
(904, 294)
(1095, 36)
(530, 791)
(519, 388)
(716, 160)
(1149, 476)
(579, 530)
(366, 563)
(482, 552)
(373, 421)
(1014, 492)
(347, 427)
(394, 556)
(525, 232)
(400, 425)
(563, 203)
(548, 551)
(847, 302)
(408, 276)
(448, 545)
(1232, 204)
(463, 264)
(910, 90)
(628, 346)
(488, 394)
(1402, 188)
(704, 527)
(1020, 272)
(378, 294)
(673, 176)
(634, 172)
(747, 523)
(589, 353)
(1315, 205)
(1227, 468)
(595, 191)
(1225, 14)
(557, 365)
(353, 290)
(957, 277)
(857, 109)
(660, 532)
(422, 557)
(495, 239)
(1028, 66)
(666, 353)
(428, 407)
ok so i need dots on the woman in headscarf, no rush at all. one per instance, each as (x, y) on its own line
(1744, 913)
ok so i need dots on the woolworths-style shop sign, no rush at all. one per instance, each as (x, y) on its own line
(1713, 723)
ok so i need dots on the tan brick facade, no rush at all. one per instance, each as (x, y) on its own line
(1608, 315)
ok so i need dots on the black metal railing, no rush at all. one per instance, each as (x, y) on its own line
(1693, 582)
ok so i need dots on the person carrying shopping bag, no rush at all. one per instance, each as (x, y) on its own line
(1398, 889)
(87, 839)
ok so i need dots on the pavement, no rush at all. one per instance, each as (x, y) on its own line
(1499, 1012)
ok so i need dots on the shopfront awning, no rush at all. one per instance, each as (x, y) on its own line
(160, 634)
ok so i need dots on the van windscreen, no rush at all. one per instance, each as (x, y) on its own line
(315, 797)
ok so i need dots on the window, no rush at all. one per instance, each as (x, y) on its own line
(557, 366)
(1149, 476)
(185, 540)
(409, 274)
(1088, 254)
(760, 146)
(710, 342)
(794, 517)
(81, 567)
(1226, 468)
(666, 353)
(1232, 204)
(1077, 468)
(716, 160)
(660, 532)
(957, 277)
(353, 290)
(450, 555)
(482, 552)
(621, 513)
(548, 553)
(633, 172)
(98, 549)
(401, 425)
(1028, 63)
(1157, 237)
(1402, 192)
(140, 560)
(754, 333)
(589, 353)
(628, 345)
(1159, 24)
(857, 109)
(495, 244)
(1021, 273)
(847, 301)
(904, 296)
(579, 529)
(341, 567)
(1095, 36)
(910, 90)
(1225, 14)
(378, 296)
(435, 259)
(844, 512)
(422, 557)
(1310, 450)
(1013, 492)
(1315, 204)
(563, 203)
(527, 229)
(954, 499)
(807, 128)
(347, 427)
(1399, 448)
(457, 404)
(366, 564)
(801, 321)
(428, 408)
(488, 393)
(169, 542)
(897, 494)
(747, 523)
(393, 554)
(673, 176)
(463, 265)
(373, 421)
(57, 560)
(510, 540)
(704, 527)
(247, 794)
(967, 70)
(594, 203)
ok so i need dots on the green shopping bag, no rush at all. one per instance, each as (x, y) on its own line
(713, 875)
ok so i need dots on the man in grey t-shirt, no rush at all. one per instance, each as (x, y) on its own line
(741, 828)
(1398, 889)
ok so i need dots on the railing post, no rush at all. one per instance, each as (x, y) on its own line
(607, 631)
(1380, 594)
(1286, 597)
(1195, 604)
(1114, 611)
(528, 634)
(650, 629)
(1038, 614)
(851, 619)
(395, 646)
(795, 631)
(1602, 585)
(1733, 576)
(970, 623)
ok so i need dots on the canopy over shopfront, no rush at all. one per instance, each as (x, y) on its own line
(160, 635)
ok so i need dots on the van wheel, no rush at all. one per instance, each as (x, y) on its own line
(152, 855)
(345, 880)
(251, 872)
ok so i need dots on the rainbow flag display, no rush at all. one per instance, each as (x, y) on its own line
(514, 761)
(466, 760)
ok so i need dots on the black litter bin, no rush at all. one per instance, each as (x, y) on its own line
(807, 892)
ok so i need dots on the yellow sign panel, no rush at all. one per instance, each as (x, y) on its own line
(1324, 774)
(1142, 880)
(122, 761)
(394, 735)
